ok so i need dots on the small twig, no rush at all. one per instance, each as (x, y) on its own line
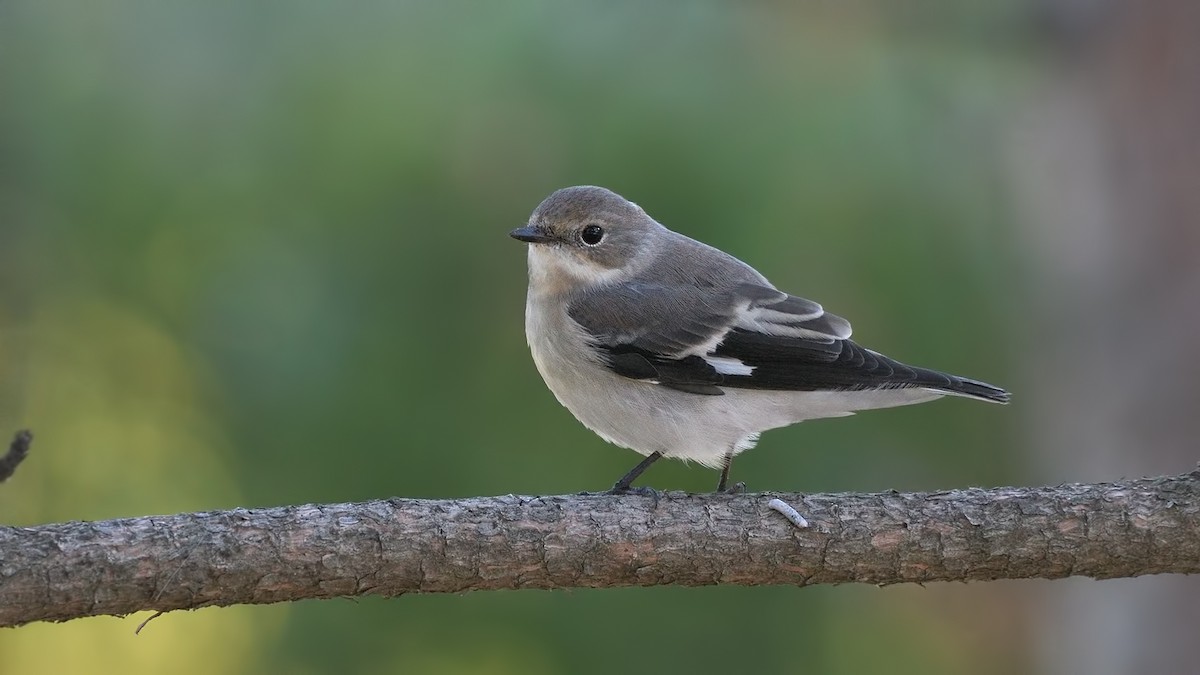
(16, 454)
(138, 630)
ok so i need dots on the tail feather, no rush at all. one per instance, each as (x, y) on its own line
(962, 386)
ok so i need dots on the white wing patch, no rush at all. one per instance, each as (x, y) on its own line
(769, 315)
(768, 321)
(728, 366)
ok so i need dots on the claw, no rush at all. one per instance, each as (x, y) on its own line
(738, 488)
(640, 491)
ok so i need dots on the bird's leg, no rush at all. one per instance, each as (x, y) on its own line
(622, 485)
(725, 471)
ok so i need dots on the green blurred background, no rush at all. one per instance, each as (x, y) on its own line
(256, 254)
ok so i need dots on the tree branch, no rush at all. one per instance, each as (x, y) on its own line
(391, 547)
(17, 451)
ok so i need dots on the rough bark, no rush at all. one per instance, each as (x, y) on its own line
(391, 547)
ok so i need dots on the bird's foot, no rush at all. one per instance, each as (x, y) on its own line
(640, 491)
(738, 488)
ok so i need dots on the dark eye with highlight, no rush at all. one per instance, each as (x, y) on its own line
(592, 235)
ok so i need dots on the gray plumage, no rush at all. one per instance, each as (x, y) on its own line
(663, 344)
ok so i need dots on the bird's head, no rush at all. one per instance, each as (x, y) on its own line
(586, 235)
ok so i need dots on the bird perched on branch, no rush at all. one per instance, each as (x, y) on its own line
(672, 348)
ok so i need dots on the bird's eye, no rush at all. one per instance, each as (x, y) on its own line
(592, 235)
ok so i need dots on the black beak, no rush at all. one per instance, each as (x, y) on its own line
(530, 234)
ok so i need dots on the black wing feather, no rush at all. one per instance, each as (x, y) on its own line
(654, 332)
(789, 364)
(809, 365)
(692, 374)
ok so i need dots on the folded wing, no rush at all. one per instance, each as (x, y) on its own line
(749, 337)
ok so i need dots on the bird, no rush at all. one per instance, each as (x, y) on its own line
(673, 348)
